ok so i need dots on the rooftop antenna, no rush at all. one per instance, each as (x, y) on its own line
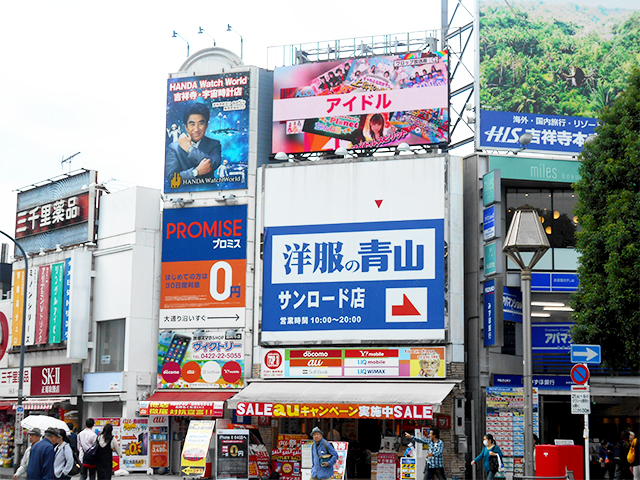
(67, 160)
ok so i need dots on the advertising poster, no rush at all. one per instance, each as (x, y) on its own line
(196, 448)
(401, 362)
(386, 466)
(347, 281)
(18, 307)
(134, 443)
(31, 307)
(407, 468)
(336, 410)
(505, 421)
(551, 78)
(42, 309)
(56, 303)
(200, 359)
(204, 263)
(207, 133)
(287, 456)
(158, 441)
(232, 454)
(362, 103)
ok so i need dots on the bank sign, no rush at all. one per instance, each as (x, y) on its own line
(363, 281)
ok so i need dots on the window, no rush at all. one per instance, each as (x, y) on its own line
(555, 208)
(110, 348)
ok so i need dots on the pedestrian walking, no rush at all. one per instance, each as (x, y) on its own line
(435, 465)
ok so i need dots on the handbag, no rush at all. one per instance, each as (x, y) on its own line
(77, 467)
(90, 457)
(494, 463)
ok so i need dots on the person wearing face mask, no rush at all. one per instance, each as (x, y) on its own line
(489, 451)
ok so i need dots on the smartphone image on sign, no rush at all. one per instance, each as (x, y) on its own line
(164, 341)
(177, 349)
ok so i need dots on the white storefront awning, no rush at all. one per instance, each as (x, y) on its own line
(391, 393)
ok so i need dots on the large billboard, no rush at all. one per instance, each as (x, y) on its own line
(362, 103)
(200, 359)
(204, 263)
(207, 133)
(56, 213)
(548, 68)
(354, 252)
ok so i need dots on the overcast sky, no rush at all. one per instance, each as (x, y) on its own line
(90, 77)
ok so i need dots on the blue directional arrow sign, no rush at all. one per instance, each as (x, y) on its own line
(586, 354)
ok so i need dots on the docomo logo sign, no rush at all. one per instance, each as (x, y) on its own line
(309, 353)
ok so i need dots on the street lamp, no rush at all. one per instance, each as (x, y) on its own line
(24, 313)
(525, 244)
(231, 29)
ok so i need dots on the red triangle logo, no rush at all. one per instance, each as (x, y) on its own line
(378, 203)
(406, 308)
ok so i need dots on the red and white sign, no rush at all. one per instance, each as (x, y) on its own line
(335, 410)
(51, 381)
(9, 381)
(580, 374)
(52, 216)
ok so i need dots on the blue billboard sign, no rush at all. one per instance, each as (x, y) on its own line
(541, 382)
(354, 282)
(489, 313)
(489, 224)
(204, 233)
(554, 282)
(551, 337)
(512, 304)
(550, 133)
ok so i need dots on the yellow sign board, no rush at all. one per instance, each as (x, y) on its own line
(196, 447)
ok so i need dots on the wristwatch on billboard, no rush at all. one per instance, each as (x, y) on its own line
(195, 172)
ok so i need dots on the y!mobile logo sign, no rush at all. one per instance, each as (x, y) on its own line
(332, 281)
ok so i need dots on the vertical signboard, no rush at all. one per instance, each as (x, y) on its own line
(134, 443)
(66, 298)
(31, 307)
(207, 133)
(553, 97)
(489, 313)
(370, 266)
(56, 305)
(42, 309)
(18, 307)
(204, 263)
(362, 103)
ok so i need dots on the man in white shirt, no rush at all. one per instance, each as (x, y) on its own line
(86, 439)
(34, 436)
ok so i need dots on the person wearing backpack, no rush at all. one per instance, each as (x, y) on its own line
(86, 439)
(107, 444)
(489, 456)
(63, 462)
(323, 456)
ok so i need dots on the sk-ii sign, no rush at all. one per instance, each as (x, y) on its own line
(353, 282)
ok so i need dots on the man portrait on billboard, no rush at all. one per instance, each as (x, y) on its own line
(193, 155)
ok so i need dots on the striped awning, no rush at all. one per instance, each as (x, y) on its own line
(41, 403)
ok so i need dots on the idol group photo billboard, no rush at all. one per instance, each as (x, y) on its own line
(362, 103)
(549, 67)
(207, 133)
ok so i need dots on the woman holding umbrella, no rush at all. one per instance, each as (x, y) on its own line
(106, 445)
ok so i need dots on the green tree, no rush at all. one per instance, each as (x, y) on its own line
(607, 303)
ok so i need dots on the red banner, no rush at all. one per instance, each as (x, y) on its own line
(195, 409)
(335, 410)
(51, 381)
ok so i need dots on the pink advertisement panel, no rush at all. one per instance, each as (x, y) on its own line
(42, 307)
(362, 103)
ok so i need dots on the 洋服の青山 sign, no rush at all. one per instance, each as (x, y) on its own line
(335, 410)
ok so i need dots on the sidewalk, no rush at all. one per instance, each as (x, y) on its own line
(8, 473)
